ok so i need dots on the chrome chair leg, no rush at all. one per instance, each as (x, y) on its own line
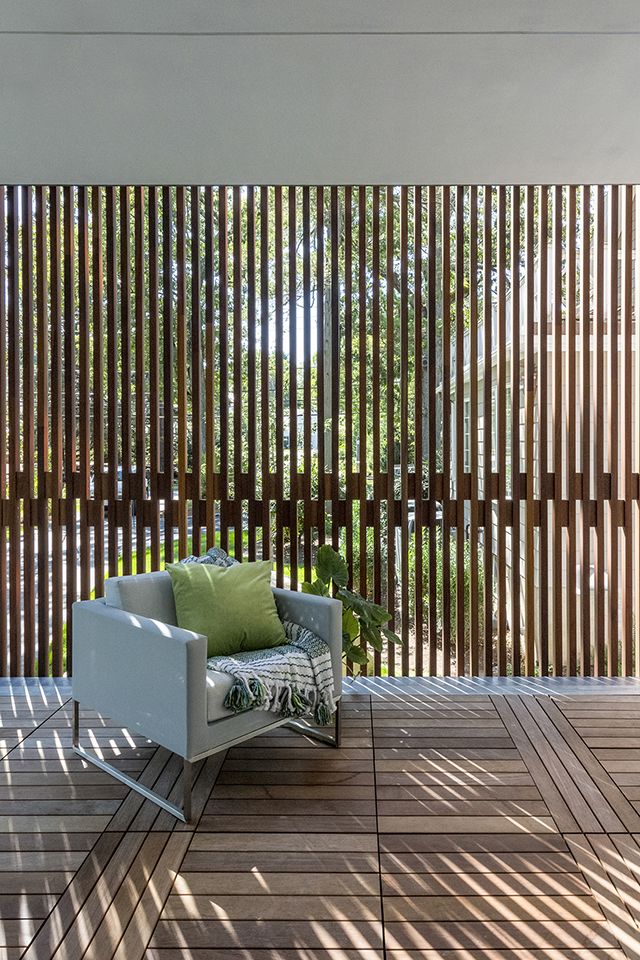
(75, 734)
(187, 785)
(183, 813)
(332, 741)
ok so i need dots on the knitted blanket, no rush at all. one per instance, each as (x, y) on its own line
(291, 680)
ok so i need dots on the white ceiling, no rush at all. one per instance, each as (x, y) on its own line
(338, 91)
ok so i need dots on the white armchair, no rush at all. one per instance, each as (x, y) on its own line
(134, 664)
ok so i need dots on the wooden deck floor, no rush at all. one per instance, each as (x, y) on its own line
(459, 821)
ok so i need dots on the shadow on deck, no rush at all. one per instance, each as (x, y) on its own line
(460, 820)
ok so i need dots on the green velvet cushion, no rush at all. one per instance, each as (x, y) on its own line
(233, 606)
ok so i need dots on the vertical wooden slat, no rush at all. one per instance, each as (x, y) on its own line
(347, 378)
(390, 425)
(28, 433)
(570, 430)
(167, 373)
(363, 392)
(474, 580)
(223, 348)
(210, 414)
(141, 365)
(625, 406)
(125, 368)
(195, 324)
(461, 612)
(237, 373)
(633, 526)
(320, 352)
(418, 350)
(225, 304)
(376, 454)
(16, 666)
(181, 373)
(154, 378)
(57, 600)
(432, 325)
(363, 389)
(112, 378)
(514, 453)
(558, 621)
(543, 419)
(279, 386)
(265, 374)
(530, 632)
(446, 429)
(501, 431)
(487, 473)
(4, 607)
(404, 428)
(98, 383)
(293, 388)
(335, 366)
(613, 433)
(599, 429)
(251, 370)
(307, 399)
(70, 411)
(84, 402)
(43, 361)
(586, 431)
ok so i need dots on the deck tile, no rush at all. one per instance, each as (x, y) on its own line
(499, 824)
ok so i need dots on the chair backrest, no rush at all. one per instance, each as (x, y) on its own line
(147, 594)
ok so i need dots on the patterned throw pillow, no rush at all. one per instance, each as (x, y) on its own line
(215, 556)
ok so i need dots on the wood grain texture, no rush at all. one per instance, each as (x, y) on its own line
(329, 853)
(441, 381)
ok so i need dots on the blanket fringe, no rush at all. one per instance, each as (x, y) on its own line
(279, 695)
(245, 694)
(322, 714)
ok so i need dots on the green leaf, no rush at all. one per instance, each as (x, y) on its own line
(357, 654)
(317, 588)
(330, 566)
(372, 636)
(350, 625)
(370, 612)
(379, 615)
(353, 601)
(391, 637)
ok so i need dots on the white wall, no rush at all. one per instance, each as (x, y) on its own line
(319, 91)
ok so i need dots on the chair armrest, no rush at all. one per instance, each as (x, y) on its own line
(149, 676)
(322, 615)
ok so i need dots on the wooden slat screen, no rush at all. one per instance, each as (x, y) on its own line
(443, 382)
